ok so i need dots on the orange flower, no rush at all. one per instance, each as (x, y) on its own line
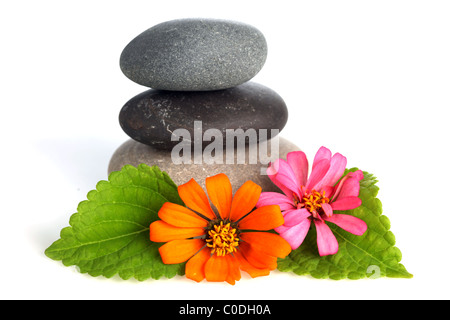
(217, 245)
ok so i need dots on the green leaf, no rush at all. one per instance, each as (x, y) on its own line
(370, 255)
(110, 232)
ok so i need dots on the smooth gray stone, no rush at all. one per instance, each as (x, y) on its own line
(195, 55)
(153, 116)
(134, 153)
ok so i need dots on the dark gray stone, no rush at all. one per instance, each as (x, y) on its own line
(135, 153)
(195, 55)
(152, 116)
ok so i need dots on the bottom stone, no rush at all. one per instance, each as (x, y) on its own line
(237, 167)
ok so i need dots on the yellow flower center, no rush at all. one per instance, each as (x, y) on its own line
(222, 239)
(313, 201)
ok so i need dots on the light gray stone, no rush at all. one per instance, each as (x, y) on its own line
(134, 153)
(195, 55)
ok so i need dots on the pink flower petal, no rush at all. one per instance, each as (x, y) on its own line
(281, 229)
(320, 166)
(294, 217)
(316, 215)
(272, 174)
(272, 198)
(327, 209)
(357, 174)
(349, 223)
(299, 164)
(326, 241)
(296, 234)
(347, 187)
(319, 170)
(322, 154)
(347, 203)
(328, 191)
(337, 167)
(286, 176)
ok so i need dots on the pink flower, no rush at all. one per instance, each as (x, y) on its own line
(314, 199)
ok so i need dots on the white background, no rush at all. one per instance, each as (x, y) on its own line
(368, 79)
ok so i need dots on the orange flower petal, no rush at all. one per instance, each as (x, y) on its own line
(269, 243)
(161, 231)
(244, 200)
(195, 198)
(220, 193)
(249, 268)
(234, 274)
(180, 216)
(263, 218)
(195, 267)
(217, 268)
(257, 258)
(178, 251)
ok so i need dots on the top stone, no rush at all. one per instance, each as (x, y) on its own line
(195, 55)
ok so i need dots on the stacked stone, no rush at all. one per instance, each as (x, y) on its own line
(198, 70)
